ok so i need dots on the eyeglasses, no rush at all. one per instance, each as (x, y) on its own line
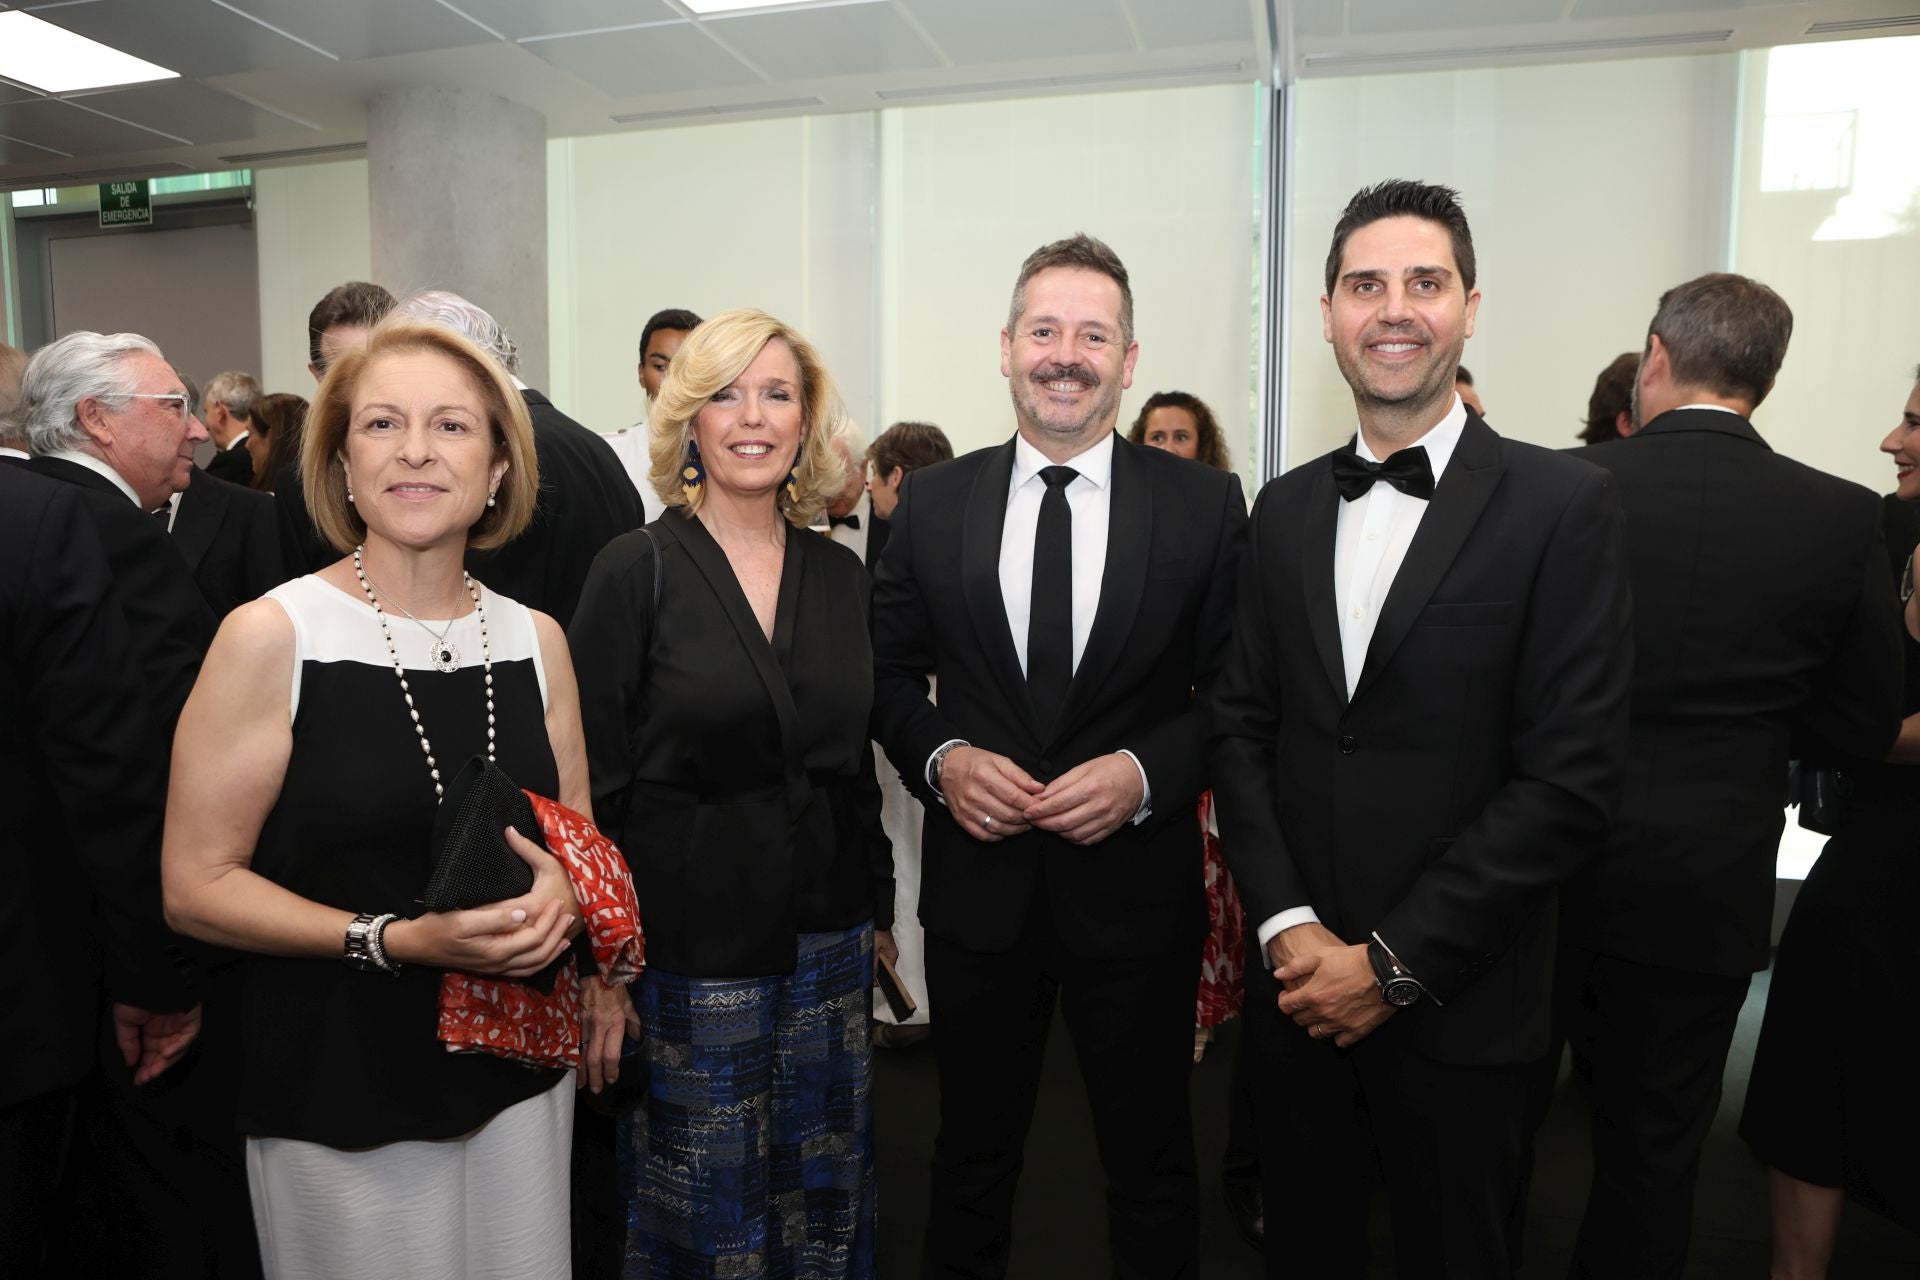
(177, 397)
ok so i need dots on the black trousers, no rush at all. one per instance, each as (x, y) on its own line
(34, 1137)
(1443, 1140)
(1657, 1039)
(1131, 1022)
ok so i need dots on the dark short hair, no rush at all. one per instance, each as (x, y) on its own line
(1460, 374)
(674, 318)
(1212, 444)
(1404, 198)
(1724, 332)
(356, 302)
(909, 446)
(1085, 253)
(1612, 396)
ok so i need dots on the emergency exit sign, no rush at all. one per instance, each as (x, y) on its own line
(125, 204)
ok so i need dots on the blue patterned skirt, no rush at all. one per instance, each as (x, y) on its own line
(752, 1153)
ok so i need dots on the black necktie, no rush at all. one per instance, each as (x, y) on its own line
(1050, 619)
(851, 521)
(1407, 470)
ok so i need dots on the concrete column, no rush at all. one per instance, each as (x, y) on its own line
(457, 194)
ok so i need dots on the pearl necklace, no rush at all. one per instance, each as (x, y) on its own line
(486, 661)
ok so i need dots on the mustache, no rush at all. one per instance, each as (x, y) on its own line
(1058, 372)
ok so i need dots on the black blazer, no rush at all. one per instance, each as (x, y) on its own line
(82, 785)
(232, 464)
(586, 501)
(238, 543)
(1480, 758)
(1174, 538)
(167, 618)
(1761, 608)
(736, 775)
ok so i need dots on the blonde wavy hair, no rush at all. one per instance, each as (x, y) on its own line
(324, 442)
(712, 356)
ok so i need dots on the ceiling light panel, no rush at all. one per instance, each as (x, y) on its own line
(57, 60)
(196, 39)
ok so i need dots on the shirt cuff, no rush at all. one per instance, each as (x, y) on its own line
(1285, 920)
(927, 772)
(1145, 810)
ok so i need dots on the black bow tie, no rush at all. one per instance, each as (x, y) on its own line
(1407, 470)
(852, 522)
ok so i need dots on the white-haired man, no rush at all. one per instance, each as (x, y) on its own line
(227, 405)
(586, 498)
(849, 517)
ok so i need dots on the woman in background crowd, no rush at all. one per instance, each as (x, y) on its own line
(275, 440)
(1831, 1062)
(307, 777)
(727, 679)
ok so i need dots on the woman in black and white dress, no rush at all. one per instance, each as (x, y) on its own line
(307, 774)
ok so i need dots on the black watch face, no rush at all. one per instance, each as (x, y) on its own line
(1401, 992)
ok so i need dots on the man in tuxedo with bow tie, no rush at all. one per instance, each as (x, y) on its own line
(1419, 733)
(1071, 592)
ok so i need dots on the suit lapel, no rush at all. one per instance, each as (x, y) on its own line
(1316, 571)
(980, 533)
(1458, 500)
(198, 519)
(1129, 536)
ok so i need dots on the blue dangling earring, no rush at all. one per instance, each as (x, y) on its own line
(693, 475)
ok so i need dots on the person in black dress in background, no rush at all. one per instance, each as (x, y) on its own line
(307, 776)
(1824, 1104)
(727, 678)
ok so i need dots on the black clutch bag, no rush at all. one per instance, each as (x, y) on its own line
(472, 863)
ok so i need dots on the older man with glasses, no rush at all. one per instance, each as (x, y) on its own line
(106, 415)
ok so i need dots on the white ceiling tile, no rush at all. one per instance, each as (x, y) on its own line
(195, 38)
(816, 44)
(1660, 8)
(65, 127)
(984, 31)
(1392, 17)
(12, 152)
(355, 29)
(13, 93)
(627, 64)
(192, 111)
(1170, 24)
(518, 19)
(1319, 17)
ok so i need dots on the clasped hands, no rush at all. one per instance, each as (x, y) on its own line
(992, 798)
(513, 938)
(1329, 987)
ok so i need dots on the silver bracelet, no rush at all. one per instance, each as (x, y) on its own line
(377, 942)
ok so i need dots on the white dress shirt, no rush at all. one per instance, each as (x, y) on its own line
(1089, 504)
(13, 453)
(1370, 542)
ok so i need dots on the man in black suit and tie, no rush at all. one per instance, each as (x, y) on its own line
(1419, 733)
(1071, 592)
(82, 796)
(1761, 613)
(227, 410)
(586, 498)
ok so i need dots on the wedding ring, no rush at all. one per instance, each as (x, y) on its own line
(986, 820)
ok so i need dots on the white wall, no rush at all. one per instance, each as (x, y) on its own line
(1829, 215)
(1165, 177)
(310, 224)
(1590, 189)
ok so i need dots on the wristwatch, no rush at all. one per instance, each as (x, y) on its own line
(938, 758)
(1398, 987)
(358, 950)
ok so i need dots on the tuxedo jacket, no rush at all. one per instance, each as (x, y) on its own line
(238, 543)
(232, 464)
(586, 501)
(82, 785)
(1480, 758)
(1174, 538)
(1761, 610)
(169, 622)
